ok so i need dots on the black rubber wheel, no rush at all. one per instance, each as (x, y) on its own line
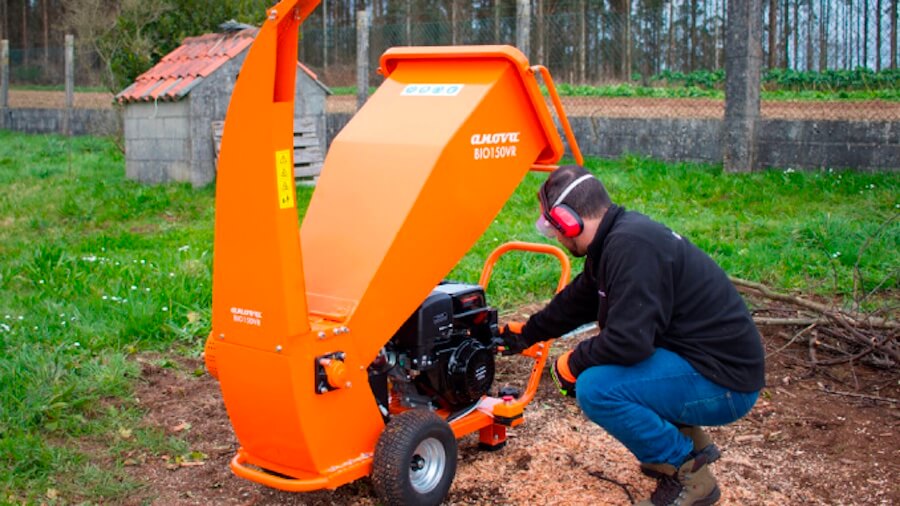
(415, 459)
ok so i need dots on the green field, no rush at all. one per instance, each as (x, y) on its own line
(95, 269)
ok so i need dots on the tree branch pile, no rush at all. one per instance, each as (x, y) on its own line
(833, 335)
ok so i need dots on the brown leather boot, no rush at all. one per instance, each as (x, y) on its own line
(692, 484)
(702, 444)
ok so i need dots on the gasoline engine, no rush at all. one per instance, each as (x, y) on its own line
(442, 356)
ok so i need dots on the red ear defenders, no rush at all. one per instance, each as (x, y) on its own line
(559, 215)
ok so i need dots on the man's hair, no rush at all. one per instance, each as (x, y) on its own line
(589, 199)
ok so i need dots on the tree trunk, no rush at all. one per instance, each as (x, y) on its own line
(796, 33)
(810, 21)
(454, 22)
(46, 35)
(773, 31)
(719, 21)
(823, 36)
(325, 37)
(851, 49)
(541, 32)
(865, 41)
(877, 35)
(692, 61)
(582, 40)
(4, 25)
(893, 34)
(626, 40)
(25, 32)
(671, 55)
(785, 36)
(497, 21)
(409, 41)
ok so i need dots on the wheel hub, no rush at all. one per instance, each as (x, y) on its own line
(427, 465)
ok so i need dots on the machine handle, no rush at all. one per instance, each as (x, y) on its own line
(563, 119)
(533, 247)
(539, 351)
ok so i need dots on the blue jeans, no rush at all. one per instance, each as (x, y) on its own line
(643, 405)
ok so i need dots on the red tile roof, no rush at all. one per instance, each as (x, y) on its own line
(185, 67)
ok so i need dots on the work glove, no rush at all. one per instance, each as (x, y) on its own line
(562, 375)
(511, 340)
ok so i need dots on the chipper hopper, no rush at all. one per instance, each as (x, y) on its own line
(340, 351)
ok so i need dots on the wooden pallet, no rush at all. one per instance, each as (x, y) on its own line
(308, 155)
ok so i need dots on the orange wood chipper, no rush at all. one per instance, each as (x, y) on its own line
(340, 351)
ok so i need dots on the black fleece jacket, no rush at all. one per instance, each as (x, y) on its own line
(647, 287)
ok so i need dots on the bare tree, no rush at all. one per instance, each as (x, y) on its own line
(582, 40)
(877, 35)
(865, 41)
(773, 31)
(893, 34)
(497, 21)
(810, 22)
(796, 31)
(626, 39)
(46, 23)
(4, 19)
(94, 24)
(823, 36)
(25, 32)
(785, 35)
(671, 59)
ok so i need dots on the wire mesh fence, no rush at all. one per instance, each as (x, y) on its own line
(823, 59)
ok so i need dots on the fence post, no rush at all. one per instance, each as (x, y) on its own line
(743, 49)
(362, 57)
(523, 26)
(70, 84)
(4, 82)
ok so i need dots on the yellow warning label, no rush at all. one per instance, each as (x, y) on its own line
(285, 179)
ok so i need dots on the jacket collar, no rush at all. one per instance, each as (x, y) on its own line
(595, 249)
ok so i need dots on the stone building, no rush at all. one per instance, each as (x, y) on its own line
(170, 109)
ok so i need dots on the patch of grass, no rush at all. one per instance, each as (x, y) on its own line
(817, 232)
(58, 87)
(630, 90)
(94, 268)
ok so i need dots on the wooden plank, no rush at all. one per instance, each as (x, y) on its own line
(305, 156)
(304, 123)
(217, 128)
(307, 171)
(305, 142)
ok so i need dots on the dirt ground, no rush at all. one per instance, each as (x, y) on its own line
(817, 436)
(870, 110)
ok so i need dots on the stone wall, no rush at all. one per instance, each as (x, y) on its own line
(50, 121)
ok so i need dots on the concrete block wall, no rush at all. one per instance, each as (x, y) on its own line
(861, 145)
(50, 121)
(858, 145)
(698, 140)
(157, 142)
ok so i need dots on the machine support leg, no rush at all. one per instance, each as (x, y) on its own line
(492, 437)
